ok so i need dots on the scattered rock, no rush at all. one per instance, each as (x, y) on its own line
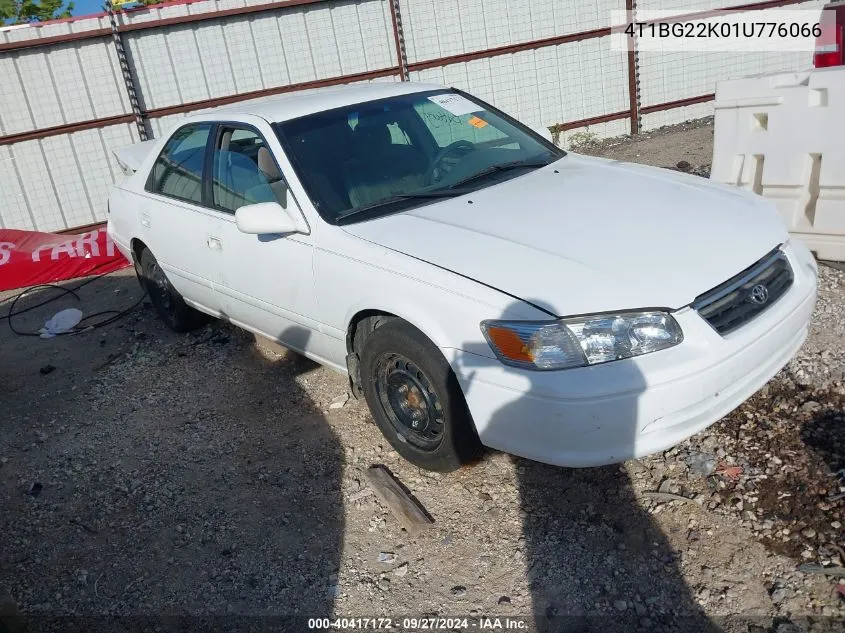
(701, 464)
(339, 402)
(620, 605)
(401, 570)
(35, 489)
(47, 369)
(361, 494)
(810, 406)
(780, 594)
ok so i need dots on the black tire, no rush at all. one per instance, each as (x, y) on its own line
(166, 300)
(408, 383)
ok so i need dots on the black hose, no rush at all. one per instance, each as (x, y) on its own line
(80, 327)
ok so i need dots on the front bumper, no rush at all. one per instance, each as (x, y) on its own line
(626, 409)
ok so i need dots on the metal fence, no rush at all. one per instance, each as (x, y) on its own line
(64, 103)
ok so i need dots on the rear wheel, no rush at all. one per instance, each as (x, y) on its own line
(415, 398)
(166, 300)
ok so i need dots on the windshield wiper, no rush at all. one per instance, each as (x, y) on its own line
(442, 193)
(519, 164)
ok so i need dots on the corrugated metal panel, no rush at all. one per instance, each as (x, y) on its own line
(438, 28)
(61, 181)
(238, 54)
(672, 76)
(572, 81)
(55, 85)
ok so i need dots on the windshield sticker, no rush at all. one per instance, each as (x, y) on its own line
(456, 104)
(474, 121)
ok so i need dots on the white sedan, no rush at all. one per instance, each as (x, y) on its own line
(479, 285)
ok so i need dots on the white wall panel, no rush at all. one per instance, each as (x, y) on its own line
(568, 82)
(60, 181)
(187, 64)
(14, 110)
(34, 176)
(215, 66)
(61, 84)
(15, 212)
(670, 76)
(438, 28)
(688, 6)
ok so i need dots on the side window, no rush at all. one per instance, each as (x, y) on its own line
(398, 135)
(178, 170)
(243, 171)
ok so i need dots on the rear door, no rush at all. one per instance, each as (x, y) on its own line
(267, 283)
(175, 223)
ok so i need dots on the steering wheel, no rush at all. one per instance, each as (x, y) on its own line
(459, 149)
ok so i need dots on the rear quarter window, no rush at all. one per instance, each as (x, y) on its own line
(177, 172)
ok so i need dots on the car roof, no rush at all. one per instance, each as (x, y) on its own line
(292, 105)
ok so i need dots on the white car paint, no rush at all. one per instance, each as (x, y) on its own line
(579, 236)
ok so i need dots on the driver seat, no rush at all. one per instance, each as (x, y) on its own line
(378, 168)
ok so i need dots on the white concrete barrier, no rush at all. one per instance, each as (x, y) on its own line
(783, 137)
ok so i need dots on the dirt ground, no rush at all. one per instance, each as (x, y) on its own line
(156, 481)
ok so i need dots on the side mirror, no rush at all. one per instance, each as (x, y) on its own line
(267, 218)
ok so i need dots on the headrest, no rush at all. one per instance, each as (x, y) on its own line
(371, 134)
(267, 165)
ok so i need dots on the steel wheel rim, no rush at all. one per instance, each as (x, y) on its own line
(409, 401)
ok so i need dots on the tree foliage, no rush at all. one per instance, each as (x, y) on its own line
(21, 11)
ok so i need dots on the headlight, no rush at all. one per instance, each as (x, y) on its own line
(580, 341)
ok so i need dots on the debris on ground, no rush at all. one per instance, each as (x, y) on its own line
(387, 557)
(61, 323)
(731, 472)
(406, 509)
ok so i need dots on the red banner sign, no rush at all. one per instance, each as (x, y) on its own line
(28, 258)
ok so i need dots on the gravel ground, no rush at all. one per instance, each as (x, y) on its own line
(208, 483)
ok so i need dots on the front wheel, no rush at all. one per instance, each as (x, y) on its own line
(168, 303)
(415, 398)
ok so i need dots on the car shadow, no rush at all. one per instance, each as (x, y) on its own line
(823, 434)
(596, 560)
(191, 478)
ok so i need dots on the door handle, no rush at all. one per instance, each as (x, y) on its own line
(214, 244)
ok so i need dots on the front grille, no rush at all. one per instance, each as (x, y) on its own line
(741, 298)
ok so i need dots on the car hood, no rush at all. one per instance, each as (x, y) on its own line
(590, 235)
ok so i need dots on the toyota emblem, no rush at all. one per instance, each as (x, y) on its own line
(759, 294)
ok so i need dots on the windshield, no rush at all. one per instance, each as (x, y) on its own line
(391, 154)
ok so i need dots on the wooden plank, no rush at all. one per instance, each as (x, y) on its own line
(407, 510)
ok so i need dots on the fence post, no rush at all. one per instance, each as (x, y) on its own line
(633, 69)
(399, 39)
(128, 80)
